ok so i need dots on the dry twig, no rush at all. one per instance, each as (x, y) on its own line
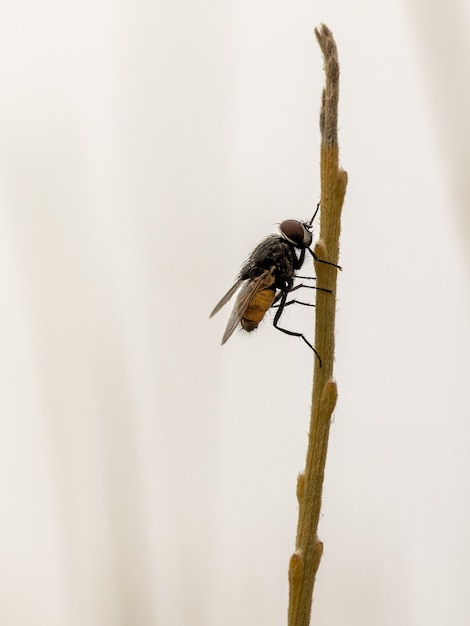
(306, 558)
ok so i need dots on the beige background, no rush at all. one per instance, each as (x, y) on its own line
(147, 476)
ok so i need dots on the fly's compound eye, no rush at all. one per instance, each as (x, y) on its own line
(296, 233)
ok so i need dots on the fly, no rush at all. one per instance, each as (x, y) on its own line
(267, 278)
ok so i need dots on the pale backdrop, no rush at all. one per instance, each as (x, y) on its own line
(147, 476)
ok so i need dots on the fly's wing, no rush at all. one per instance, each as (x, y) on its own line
(227, 297)
(248, 291)
(260, 252)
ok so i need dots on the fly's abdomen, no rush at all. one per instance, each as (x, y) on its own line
(257, 308)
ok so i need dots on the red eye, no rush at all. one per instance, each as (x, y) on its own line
(296, 232)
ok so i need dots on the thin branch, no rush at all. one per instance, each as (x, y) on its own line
(304, 562)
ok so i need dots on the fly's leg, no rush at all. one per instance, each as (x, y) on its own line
(279, 295)
(315, 214)
(277, 317)
(338, 267)
(276, 306)
(309, 286)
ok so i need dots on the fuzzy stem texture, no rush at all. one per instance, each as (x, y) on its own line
(304, 562)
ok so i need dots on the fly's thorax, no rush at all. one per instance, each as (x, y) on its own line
(273, 252)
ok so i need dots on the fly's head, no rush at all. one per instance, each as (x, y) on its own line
(299, 234)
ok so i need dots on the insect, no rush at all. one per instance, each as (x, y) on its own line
(267, 278)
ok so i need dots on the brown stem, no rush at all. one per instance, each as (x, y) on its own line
(304, 562)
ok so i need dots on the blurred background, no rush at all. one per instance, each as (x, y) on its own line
(147, 475)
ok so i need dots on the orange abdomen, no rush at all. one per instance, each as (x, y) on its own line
(257, 308)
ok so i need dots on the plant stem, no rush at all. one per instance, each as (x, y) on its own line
(304, 562)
